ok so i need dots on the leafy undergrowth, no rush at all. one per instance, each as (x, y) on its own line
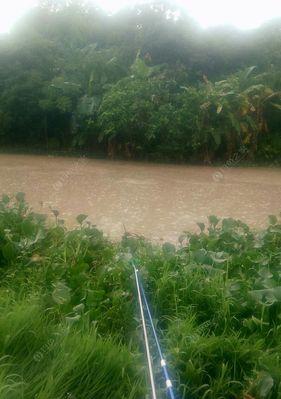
(69, 325)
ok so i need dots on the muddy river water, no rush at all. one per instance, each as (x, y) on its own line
(154, 200)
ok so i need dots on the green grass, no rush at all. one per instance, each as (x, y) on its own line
(69, 319)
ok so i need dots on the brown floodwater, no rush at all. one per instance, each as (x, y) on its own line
(154, 200)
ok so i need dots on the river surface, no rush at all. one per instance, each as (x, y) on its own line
(154, 200)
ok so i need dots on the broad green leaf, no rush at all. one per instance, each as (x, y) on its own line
(201, 256)
(213, 220)
(20, 197)
(267, 296)
(81, 218)
(79, 308)
(168, 248)
(264, 385)
(201, 226)
(55, 212)
(228, 224)
(219, 257)
(61, 293)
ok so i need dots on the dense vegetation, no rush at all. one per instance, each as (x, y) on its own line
(143, 83)
(69, 324)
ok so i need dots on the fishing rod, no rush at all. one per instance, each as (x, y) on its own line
(151, 376)
(163, 363)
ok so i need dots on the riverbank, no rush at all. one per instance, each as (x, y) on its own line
(69, 320)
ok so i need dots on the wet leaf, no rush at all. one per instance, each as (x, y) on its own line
(79, 308)
(213, 220)
(264, 385)
(168, 248)
(81, 218)
(20, 197)
(267, 296)
(55, 212)
(73, 320)
(201, 226)
(61, 293)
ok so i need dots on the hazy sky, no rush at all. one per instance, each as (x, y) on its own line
(240, 13)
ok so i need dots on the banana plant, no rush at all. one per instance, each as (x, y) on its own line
(232, 112)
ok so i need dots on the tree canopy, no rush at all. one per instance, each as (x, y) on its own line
(146, 82)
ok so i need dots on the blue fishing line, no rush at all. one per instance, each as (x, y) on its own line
(163, 364)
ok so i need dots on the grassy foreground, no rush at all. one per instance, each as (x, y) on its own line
(69, 325)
